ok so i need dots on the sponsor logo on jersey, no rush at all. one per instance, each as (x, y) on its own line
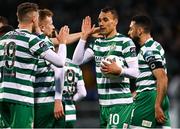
(146, 123)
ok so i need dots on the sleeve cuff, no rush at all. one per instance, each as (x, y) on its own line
(58, 95)
(82, 41)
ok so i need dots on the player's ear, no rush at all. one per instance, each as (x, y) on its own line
(140, 29)
(116, 21)
(42, 28)
(17, 17)
(34, 19)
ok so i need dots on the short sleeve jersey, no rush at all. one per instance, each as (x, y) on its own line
(151, 56)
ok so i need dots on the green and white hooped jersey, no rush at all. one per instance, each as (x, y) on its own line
(19, 54)
(44, 86)
(113, 91)
(150, 52)
(73, 75)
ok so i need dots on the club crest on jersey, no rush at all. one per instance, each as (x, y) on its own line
(113, 46)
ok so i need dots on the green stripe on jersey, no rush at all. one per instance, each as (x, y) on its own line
(44, 78)
(120, 46)
(18, 65)
(146, 79)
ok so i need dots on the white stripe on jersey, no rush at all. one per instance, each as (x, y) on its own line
(44, 89)
(145, 74)
(116, 101)
(25, 66)
(44, 99)
(25, 77)
(116, 39)
(113, 91)
(17, 86)
(44, 79)
(147, 88)
(18, 42)
(145, 82)
(70, 107)
(20, 54)
(112, 80)
(106, 48)
(15, 97)
(23, 55)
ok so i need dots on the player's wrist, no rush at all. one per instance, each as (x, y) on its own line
(84, 36)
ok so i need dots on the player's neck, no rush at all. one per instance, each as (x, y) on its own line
(25, 26)
(112, 34)
(144, 38)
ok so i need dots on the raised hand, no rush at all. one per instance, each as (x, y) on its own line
(63, 35)
(86, 28)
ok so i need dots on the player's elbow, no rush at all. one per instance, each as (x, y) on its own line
(60, 64)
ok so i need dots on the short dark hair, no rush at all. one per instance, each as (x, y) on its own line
(112, 10)
(3, 20)
(43, 13)
(5, 29)
(143, 21)
(25, 8)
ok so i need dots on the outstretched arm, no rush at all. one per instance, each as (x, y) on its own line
(70, 39)
(80, 51)
(59, 58)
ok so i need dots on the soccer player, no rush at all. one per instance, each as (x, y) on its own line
(115, 97)
(45, 77)
(44, 82)
(20, 51)
(73, 89)
(151, 102)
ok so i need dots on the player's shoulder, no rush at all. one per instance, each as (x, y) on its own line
(152, 45)
(123, 38)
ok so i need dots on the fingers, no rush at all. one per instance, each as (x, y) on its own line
(63, 34)
(159, 115)
(58, 109)
(58, 114)
(161, 118)
(104, 67)
(87, 20)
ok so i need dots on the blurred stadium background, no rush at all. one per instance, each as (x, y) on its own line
(166, 30)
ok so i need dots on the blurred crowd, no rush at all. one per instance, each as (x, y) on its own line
(166, 29)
